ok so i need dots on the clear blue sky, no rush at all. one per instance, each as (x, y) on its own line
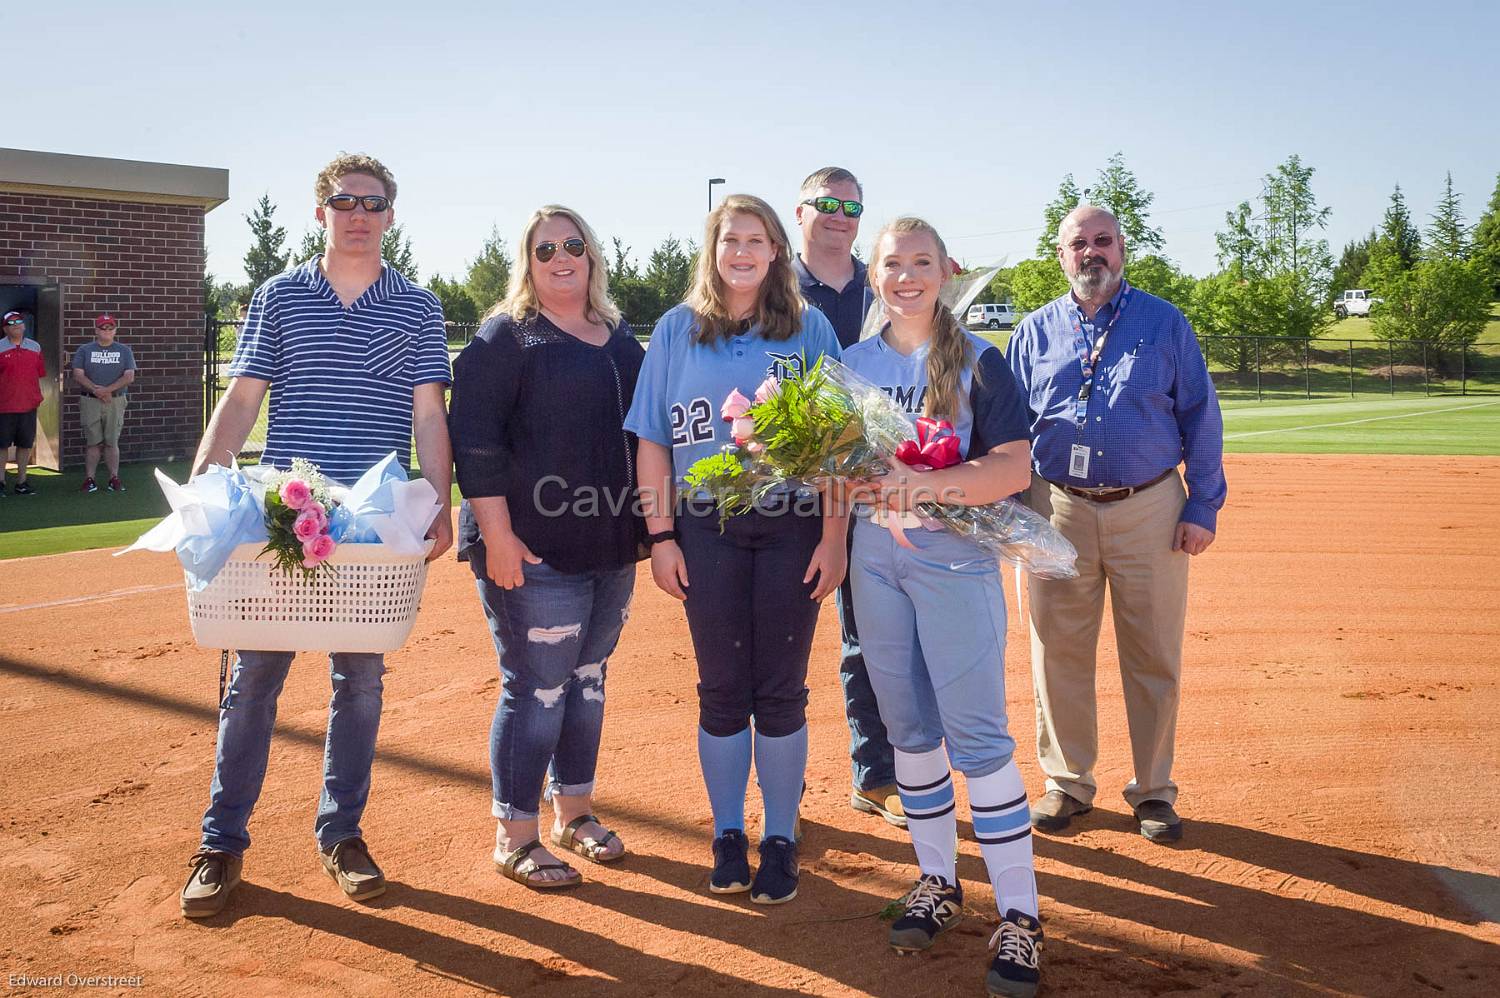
(967, 114)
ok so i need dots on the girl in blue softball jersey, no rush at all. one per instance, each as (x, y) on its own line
(931, 609)
(752, 589)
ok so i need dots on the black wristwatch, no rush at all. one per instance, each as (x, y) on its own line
(665, 535)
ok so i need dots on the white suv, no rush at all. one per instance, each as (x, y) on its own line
(1001, 316)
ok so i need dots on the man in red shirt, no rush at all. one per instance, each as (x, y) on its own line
(21, 371)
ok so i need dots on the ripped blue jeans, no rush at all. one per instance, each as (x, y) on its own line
(554, 636)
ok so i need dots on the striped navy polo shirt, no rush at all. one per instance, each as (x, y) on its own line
(341, 379)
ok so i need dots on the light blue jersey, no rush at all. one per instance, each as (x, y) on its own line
(993, 412)
(683, 383)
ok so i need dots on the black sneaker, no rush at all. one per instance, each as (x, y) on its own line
(24, 489)
(776, 880)
(933, 906)
(1014, 972)
(731, 863)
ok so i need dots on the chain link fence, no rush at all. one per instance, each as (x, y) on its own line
(1262, 367)
(1242, 367)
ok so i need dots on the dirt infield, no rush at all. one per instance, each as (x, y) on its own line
(1337, 753)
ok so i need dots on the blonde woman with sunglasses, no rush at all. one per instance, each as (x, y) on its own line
(550, 528)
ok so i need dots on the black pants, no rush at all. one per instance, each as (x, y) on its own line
(751, 616)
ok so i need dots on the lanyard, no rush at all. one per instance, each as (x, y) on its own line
(1088, 359)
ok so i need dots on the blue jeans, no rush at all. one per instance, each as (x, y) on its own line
(870, 753)
(246, 718)
(554, 636)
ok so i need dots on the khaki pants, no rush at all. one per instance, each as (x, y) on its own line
(102, 421)
(1128, 546)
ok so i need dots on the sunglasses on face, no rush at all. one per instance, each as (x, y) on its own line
(830, 206)
(15, 322)
(547, 250)
(346, 202)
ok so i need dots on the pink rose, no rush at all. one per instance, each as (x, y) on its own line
(734, 407)
(742, 428)
(323, 546)
(309, 524)
(295, 493)
(767, 388)
(316, 550)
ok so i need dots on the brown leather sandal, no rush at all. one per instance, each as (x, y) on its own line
(519, 866)
(592, 849)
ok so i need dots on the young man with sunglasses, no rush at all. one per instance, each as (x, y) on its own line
(356, 361)
(21, 372)
(836, 283)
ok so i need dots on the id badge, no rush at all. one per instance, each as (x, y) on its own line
(1078, 462)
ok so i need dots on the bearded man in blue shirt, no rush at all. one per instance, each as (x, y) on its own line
(1119, 396)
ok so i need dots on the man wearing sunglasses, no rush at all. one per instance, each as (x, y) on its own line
(22, 370)
(829, 208)
(356, 361)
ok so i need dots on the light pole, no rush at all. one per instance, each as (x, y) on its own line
(711, 182)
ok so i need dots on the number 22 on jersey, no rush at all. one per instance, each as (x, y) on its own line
(692, 423)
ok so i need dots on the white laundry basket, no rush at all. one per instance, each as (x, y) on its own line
(368, 603)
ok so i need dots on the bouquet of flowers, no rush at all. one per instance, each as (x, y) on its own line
(829, 423)
(299, 511)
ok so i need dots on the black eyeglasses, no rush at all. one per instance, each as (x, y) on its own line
(373, 203)
(830, 206)
(547, 250)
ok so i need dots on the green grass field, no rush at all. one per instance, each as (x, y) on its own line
(1449, 424)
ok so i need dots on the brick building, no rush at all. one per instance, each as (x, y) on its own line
(81, 235)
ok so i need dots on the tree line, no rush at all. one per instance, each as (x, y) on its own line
(1276, 275)
(642, 292)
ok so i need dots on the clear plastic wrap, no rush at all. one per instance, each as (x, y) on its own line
(833, 424)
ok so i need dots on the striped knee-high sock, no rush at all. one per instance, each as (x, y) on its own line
(926, 788)
(1002, 826)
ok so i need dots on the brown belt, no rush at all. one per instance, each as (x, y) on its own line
(1111, 495)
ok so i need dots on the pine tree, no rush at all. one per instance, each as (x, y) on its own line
(313, 243)
(1448, 236)
(488, 277)
(1487, 239)
(1397, 232)
(1068, 197)
(395, 250)
(1353, 262)
(265, 259)
(669, 271)
(1118, 190)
